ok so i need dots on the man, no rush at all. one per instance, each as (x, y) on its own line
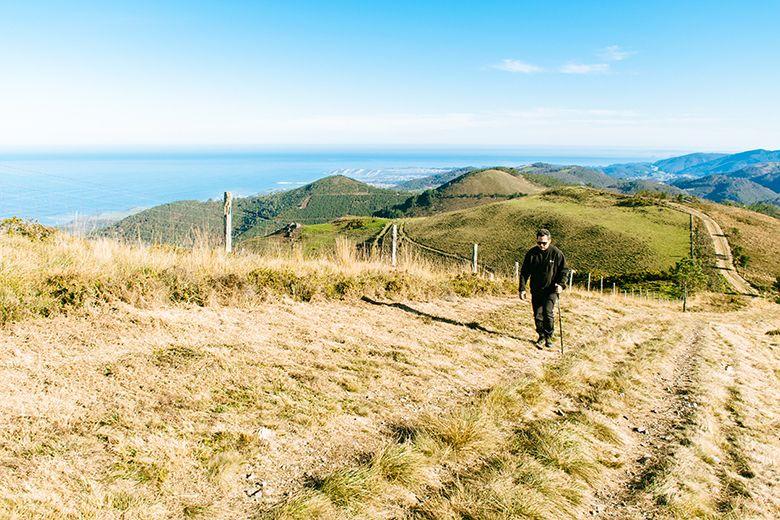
(545, 266)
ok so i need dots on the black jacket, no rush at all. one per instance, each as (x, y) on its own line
(544, 269)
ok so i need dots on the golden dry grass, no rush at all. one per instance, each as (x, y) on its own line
(63, 273)
(274, 407)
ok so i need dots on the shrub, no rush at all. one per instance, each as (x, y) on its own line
(688, 276)
(32, 230)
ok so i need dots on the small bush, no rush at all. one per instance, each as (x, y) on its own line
(34, 231)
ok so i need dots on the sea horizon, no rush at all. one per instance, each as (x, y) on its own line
(56, 186)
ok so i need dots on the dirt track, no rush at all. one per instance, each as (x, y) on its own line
(725, 261)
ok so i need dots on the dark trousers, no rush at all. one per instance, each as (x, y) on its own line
(544, 312)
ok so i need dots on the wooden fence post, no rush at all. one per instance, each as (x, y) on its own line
(474, 264)
(394, 250)
(517, 272)
(613, 289)
(588, 282)
(228, 222)
(571, 277)
(601, 285)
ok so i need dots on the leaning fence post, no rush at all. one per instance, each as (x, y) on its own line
(571, 277)
(474, 259)
(394, 248)
(228, 222)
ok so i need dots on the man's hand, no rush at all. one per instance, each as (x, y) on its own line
(522, 295)
(558, 289)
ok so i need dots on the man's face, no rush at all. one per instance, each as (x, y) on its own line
(543, 242)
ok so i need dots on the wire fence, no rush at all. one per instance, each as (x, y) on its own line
(197, 223)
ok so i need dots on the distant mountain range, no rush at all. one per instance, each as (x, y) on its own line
(746, 177)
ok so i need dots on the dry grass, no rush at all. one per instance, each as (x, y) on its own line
(63, 273)
(278, 407)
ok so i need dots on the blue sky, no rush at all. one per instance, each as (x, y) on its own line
(688, 75)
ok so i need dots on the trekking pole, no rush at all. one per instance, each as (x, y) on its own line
(560, 321)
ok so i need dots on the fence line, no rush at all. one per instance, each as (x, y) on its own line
(213, 224)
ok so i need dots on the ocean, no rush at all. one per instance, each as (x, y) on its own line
(56, 188)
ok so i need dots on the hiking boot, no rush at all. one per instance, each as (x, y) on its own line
(548, 342)
(540, 341)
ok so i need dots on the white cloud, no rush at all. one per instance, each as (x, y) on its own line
(582, 68)
(522, 67)
(614, 53)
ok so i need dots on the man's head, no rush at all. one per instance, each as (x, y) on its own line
(543, 239)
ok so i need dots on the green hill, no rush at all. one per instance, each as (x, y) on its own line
(765, 174)
(571, 175)
(684, 162)
(733, 162)
(183, 223)
(488, 182)
(721, 188)
(432, 181)
(470, 189)
(645, 185)
(596, 232)
(319, 239)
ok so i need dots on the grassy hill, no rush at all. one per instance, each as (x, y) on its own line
(645, 186)
(595, 232)
(721, 188)
(321, 239)
(432, 181)
(765, 174)
(733, 162)
(470, 189)
(687, 162)
(572, 175)
(183, 223)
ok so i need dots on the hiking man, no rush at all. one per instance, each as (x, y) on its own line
(545, 266)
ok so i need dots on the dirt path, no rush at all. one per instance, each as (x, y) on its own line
(724, 259)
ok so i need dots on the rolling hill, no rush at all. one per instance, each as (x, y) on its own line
(686, 162)
(320, 239)
(765, 174)
(693, 165)
(722, 188)
(552, 175)
(733, 162)
(630, 186)
(469, 189)
(184, 223)
(596, 232)
(432, 181)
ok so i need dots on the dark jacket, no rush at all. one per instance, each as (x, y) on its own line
(544, 269)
